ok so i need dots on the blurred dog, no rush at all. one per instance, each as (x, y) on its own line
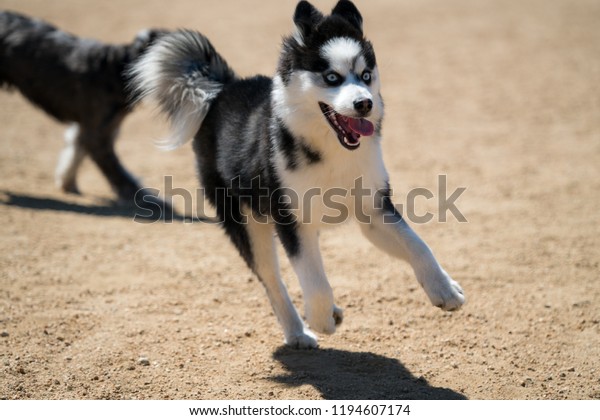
(77, 81)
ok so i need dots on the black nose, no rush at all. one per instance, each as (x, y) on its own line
(363, 106)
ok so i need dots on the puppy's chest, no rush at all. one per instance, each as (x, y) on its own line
(324, 191)
(323, 175)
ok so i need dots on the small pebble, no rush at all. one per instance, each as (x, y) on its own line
(527, 382)
(144, 361)
(4, 334)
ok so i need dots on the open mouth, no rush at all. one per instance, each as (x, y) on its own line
(348, 129)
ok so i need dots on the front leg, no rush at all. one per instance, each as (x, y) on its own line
(302, 246)
(70, 161)
(388, 231)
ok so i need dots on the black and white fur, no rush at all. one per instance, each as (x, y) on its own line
(77, 81)
(279, 134)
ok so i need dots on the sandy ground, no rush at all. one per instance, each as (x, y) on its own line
(503, 97)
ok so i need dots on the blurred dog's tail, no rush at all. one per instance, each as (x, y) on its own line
(183, 73)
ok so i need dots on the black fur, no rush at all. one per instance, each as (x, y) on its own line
(233, 150)
(306, 17)
(311, 156)
(74, 80)
(295, 150)
(348, 11)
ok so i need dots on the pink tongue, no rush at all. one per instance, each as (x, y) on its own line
(361, 126)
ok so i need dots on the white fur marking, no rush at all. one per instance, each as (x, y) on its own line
(69, 161)
(341, 53)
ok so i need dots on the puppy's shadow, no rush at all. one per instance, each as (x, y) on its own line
(344, 375)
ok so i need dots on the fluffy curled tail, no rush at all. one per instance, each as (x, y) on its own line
(183, 73)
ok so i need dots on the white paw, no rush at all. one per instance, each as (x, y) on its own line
(320, 312)
(303, 340)
(445, 293)
(323, 318)
(322, 324)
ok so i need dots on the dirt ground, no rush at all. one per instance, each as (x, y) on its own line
(503, 97)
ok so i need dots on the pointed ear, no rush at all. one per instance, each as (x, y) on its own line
(347, 10)
(306, 18)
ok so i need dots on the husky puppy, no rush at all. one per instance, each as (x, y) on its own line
(262, 143)
(77, 81)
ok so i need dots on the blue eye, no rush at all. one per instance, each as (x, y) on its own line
(366, 76)
(333, 79)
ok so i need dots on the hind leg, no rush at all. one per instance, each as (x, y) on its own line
(100, 144)
(256, 244)
(69, 161)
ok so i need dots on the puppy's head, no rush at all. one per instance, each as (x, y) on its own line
(328, 68)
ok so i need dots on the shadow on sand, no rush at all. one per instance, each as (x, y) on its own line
(147, 211)
(344, 375)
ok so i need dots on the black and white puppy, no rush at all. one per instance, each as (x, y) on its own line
(262, 143)
(77, 81)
